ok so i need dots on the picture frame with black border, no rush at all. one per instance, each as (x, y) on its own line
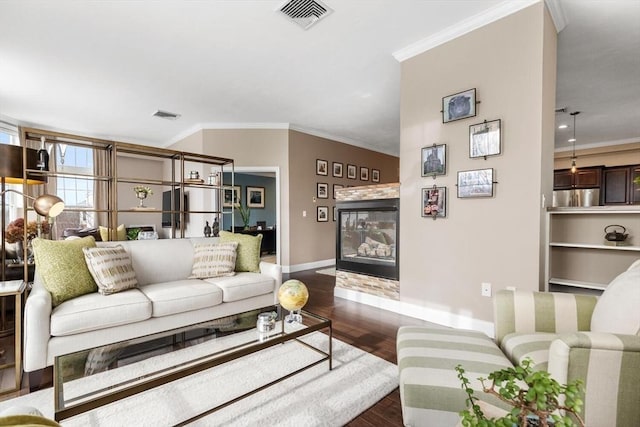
(322, 214)
(335, 213)
(459, 106)
(364, 173)
(352, 171)
(375, 175)
(231, 196)
(255, 197)
(322, 190)
(475, 183)
(434, 202)
(322, 167)
(337, 169)
(485, 139)
(434, 160)
(336, 187)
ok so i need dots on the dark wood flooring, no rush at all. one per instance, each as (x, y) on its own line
(368, 328)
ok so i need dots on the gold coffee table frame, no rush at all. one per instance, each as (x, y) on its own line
(311, 323)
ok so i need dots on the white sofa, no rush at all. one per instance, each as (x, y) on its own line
(165, 299)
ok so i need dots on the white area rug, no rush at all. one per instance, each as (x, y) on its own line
(315, 397)
(328, 271)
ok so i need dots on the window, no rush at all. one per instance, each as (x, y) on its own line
(13, 202)
(76, 192)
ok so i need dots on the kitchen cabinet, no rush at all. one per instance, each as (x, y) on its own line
(618, 185)
(591, 177)
(579, 259)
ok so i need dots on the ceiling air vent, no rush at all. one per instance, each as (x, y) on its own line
(166, 115)
(305, 12)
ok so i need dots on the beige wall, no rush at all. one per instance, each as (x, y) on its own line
(313, 241)
(511, 62)
(619, 155)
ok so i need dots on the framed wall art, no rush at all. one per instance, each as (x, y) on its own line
(336, 187)
(322, 191)
(323, 214)
(335, 212)
(337, 169)
(231, 196)
(459, 106)
(364, 174)
(255, 197)
(375, 175)
(352, 171)
(475, 183)
(434, 160)
(434, 202)
(485, 139)
(322, 167)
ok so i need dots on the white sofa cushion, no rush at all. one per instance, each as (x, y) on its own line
(111, 268)
(181, 295)
(617, 309)
(213, 260)
(93, 311)
(243, 285)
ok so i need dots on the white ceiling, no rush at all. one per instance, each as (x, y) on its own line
(103, 67)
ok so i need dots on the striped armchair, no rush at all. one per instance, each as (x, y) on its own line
(572, 336)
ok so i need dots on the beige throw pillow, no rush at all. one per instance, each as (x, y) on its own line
(111, 268)
(61, 265)
(214, 260)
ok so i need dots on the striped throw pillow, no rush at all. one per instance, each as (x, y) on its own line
(111, 268)
(214, 260)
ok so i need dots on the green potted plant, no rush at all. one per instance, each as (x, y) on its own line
(245, 213)
(537, 404)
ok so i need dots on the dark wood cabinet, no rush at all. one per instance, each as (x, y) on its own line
(619, 188)
(583, 178)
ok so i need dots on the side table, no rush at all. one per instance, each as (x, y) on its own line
(15, 288)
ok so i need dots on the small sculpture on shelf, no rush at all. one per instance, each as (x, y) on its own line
(207, 229)
(142, 192)
(215, 228)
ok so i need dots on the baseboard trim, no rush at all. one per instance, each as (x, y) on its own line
(439, 317)
(309, 266)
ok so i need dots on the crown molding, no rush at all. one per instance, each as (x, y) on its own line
(490, 15)
(205, 126)
(602, 144)
(341, 139)
(557, 14)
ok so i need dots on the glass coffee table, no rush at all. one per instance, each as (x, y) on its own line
(89, 379)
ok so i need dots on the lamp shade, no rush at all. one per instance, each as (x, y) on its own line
(11, 165)
(48, 205)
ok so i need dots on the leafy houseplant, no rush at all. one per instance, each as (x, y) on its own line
(535, 405)
(245, 213)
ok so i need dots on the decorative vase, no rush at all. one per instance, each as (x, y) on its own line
(141, 195)
(19, 245)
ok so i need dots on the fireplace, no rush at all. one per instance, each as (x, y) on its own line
(367, 237)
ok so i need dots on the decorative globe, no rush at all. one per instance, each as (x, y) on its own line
(293, 295)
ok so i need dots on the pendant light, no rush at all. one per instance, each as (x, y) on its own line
(574, 168)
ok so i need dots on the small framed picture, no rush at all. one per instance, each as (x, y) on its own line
(335, 212)
(323, 214)
(485, 139)
(322, 167)
(434, 202)
(364, 174)
(255, 197)
(322, 191)
(475, 183)
(337, 169)
(352, 171)
(375, 175)
(459, 106)
(336, 187)
(434, 160)
(231, 196)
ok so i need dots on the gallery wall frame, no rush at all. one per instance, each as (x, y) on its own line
(475, 183)
(322, 214)
(336, 187)
(375, 175)
(255, 197)
(485, 139)
(434, 202)
(322, 190)
(364, 173)
(322, 167)
(459, 106)
(231, 196)
(352, 171)
(337, 169)
(434, 160)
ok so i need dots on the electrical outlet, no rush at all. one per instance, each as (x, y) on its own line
(486, 289)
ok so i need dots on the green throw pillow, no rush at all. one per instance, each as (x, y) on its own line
(248, 258)
(61, 265)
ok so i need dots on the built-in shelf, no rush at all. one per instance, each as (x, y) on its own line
(577, 284)
(594, 246)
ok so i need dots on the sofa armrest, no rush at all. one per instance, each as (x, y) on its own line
(608, 366)
(37, 327)
(275, 271)
(529, 311)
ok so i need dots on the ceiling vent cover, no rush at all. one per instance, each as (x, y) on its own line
(166, 115)
(305, 12)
